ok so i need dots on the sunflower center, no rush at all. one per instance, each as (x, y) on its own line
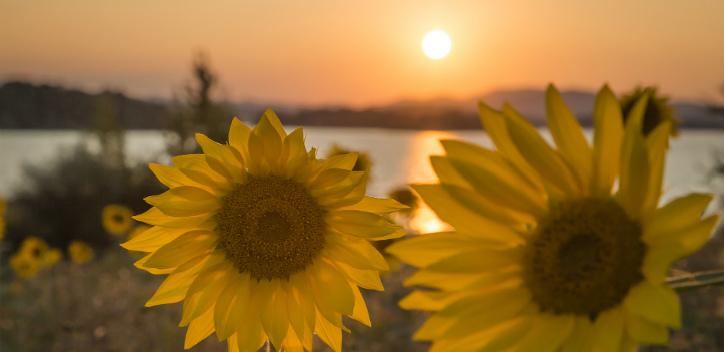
(271, 227)
(584, 257)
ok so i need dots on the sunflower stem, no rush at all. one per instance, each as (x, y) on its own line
(696, 280)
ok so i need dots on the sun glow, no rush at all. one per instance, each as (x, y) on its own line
(436, 44)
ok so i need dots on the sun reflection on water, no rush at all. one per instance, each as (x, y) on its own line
(418, 170)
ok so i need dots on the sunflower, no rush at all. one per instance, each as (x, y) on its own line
(36, 249)
(263, 241)
(658, 109)
(24, 266)
(33, 256)
(79, 252)
(117, 219)
(547, 254)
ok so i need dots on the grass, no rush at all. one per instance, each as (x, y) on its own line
(99, 307)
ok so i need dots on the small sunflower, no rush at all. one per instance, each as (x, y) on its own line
(80, 252)
(33, 256)
(24, 266)
(117, 219)
(545, 255)
(35, 248)
(363, 163)
(263, 241)
(658, 109)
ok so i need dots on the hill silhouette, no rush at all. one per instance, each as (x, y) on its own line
(31, 106)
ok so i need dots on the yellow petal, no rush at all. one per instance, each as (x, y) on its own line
(501, 187)
(477, 260)
(221, 158)
(546, 161)
(643, 331)
(239, 138)
(180, 250)
(294, 303)
(607, 137)
(369, 279)
(488, 207)
(376, 205)
(463, 219)
(275, 317)
(547, 333)
(172, 177)
(675, 216)
(568, 135)
(199, 329)
(331, 288)
(494, 123)
(155, 216)
(341, 161)
(185, 201)
(329, 333)
(581, 336)
(657, 143)
(363, 224)
(686, 241)
(271, 117)
(656, 303)
(634, 178)
(426, 249)
(204, 292)
(608, 330)
(265, 146)
(360, 312)
(196, 167)
(354, 252)
(233, 302)
(173, 289)
(153, 238)
(428, 300)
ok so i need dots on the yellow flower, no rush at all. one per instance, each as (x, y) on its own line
(79, 252)
(117, 219)
(545, 254)
(263, 241)
(658, 109)
(24, 266)
(2, 218)
(37, 250)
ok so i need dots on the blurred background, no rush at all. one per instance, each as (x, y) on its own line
(91, 91)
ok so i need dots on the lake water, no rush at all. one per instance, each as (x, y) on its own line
(398, 156)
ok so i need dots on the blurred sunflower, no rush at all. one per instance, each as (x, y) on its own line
(79, 252)
(2, 219)
(545, 256)
(263, 241)
(24, 266)
(363, 163)
(658, 110)
(117, 219)
(33, 256)
(36, 249)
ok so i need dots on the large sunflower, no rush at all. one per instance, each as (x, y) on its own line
(554, 248)
(263, 241)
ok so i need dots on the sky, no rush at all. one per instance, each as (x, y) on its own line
(365, 52)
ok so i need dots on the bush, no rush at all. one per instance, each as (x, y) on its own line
(62, 201)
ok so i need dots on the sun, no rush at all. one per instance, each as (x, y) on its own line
(436, 44)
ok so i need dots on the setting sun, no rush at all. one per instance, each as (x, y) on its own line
(436, 44)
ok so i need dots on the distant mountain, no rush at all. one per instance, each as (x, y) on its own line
(24, 105)
(30, 106)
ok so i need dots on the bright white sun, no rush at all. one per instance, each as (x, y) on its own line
(436, 44)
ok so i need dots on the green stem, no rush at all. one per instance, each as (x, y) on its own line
(696, 280)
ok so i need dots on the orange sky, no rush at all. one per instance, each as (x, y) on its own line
(365, 52)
